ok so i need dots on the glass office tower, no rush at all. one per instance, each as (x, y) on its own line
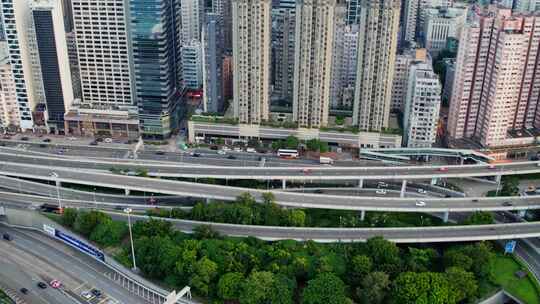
(155, 45)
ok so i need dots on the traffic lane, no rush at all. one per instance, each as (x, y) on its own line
(24, 186)
(282, 198)
(530, 255)
(399, 235)
(36, 270)
(75, 263)
(318, 173)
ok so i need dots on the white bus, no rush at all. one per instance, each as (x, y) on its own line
(287, 153)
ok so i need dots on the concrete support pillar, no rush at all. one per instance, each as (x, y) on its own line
(521, 213)
(127, 191)
(361, 183)
(434, 181)
(58, 184)
(403, 188)
(362, 215)
(207, 200)
(445, 216)
(461, 160)
(284, 184)
(498, 178)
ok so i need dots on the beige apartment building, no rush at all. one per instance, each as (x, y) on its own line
(313, 62)
(251, 59)
(377, 43)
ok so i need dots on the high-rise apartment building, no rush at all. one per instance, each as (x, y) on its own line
(192, 15)
(353, 10)
(227, 78)
(223, 8)
(51, 44)
(192, 69)
(283, 43)
(313, 62)
(101, 29)
(17, 19)
(9, 110)
(497, 77)
(377, 44)
(527, 5)
(401, 75)
(422, 106)
(157, 81)
(251, 59)
(212, 37)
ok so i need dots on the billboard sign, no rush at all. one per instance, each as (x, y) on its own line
(82, 246)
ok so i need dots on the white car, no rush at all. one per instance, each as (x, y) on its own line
(380, 191)
(221, 152)
(422, 191)
(87, 295)
(382, 184)
(237, 149)
(225, 148)
(72, 138)
(420, 203)
(108, 140)
(251, 150)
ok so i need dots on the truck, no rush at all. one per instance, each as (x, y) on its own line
(325, 160)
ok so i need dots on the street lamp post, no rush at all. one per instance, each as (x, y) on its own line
(128, 211)
(55, 175)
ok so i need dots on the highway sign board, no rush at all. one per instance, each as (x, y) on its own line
(82, 246)
(509, 247)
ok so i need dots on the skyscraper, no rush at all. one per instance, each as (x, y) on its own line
(212, 37)
(17, 20)
(101, 27)
(155, 47)
(496, 80)
(377, 44)
(251, 59)
(192, 12)
(353, 10)
(9, 110)
(54, 61)
(283, 38)
(413, 18)
(422, 106)
(223, 8)
(313, 62)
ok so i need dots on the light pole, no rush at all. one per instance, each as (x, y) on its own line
(55, 175)
(128, 211)
(95, 202)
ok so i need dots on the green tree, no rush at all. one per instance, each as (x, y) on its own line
(384, 254)
(297, 218)
(479, 218)
(230, 285)
(205, 271)
(152, 227)
(291, 142)
(454, 257)
(462, 282)
(420, 260)
(69, 217)
(109, 232)
(374, 288)
(263, 287)
(360, 266)
(423, 288)
(86, 222)
(326, 288)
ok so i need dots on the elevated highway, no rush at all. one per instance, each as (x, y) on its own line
(398, 235)
(169, 169)
(289, 199)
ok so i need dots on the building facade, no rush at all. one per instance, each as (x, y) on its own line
(251, 59)
(101, 27)
(413, 16)
(283, 43)
(51, 43)
(422, 106)
(192, 65)
(313, 62)
(192, 16)
(441, 24)
(212, 38)
(157, 83)
(9, 109)
(496, 82)
(377, 45)
(400, 81)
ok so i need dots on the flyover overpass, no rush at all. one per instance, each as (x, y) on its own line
(290, 199)
(168, 169)
(398, 235)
